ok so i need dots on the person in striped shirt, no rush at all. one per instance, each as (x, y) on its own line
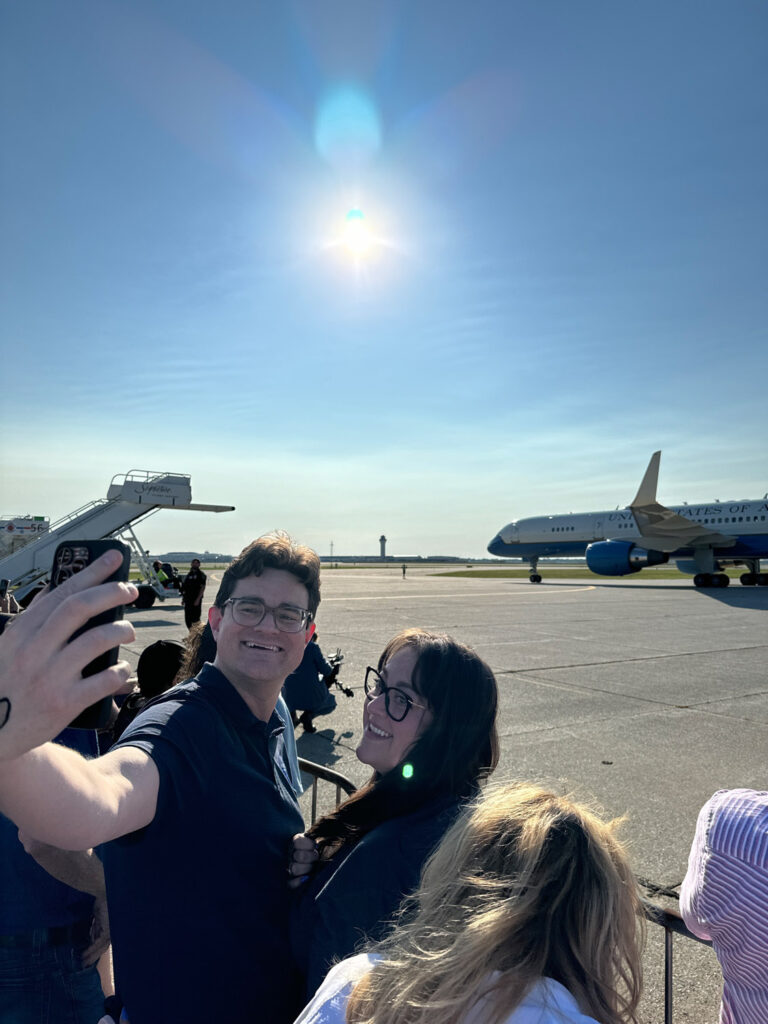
(724, 897)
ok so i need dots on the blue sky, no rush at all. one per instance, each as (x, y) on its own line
(567, 214)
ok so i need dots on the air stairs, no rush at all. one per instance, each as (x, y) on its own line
(130, 497)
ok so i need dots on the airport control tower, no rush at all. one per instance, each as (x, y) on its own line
(383, 545)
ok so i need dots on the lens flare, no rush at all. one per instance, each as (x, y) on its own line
(347, 128)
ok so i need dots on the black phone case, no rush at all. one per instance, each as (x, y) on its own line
(71, 557)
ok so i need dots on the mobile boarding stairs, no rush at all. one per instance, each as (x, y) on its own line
(131, 496)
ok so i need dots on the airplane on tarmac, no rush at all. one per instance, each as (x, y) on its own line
(703, 539)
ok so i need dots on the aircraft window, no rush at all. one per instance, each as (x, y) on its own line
(741, 519)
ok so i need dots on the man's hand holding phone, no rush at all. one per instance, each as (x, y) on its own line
(41, 684)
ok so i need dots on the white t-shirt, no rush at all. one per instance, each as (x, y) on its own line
(548, 1002)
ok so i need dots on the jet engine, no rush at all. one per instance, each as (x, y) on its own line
(621, 557)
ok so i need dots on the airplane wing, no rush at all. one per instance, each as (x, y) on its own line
(664, 529)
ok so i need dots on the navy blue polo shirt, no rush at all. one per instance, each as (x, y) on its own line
(198, 900)
(30, 898)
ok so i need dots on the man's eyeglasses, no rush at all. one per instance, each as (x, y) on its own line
(396, 702)
(250, 611)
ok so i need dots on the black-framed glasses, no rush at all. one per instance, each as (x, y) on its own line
(250, 611)
(396, 701)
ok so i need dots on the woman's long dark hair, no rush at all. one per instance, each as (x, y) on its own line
(200, 647)
(457, 750)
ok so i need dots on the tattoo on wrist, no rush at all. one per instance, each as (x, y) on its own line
(5, 711)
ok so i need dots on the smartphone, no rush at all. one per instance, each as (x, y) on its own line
(71, 557)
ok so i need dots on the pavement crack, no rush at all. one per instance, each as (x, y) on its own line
(630, 661)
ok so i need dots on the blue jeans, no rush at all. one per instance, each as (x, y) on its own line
(47, 984)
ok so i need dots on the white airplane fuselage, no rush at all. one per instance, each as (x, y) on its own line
(702, 538)
(569, 535)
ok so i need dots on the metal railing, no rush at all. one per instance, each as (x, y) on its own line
(320, 772)
(673, 924)
(669, 920)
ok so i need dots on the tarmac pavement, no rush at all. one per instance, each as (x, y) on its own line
(642, 696)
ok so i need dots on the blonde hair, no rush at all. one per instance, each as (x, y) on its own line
(527, 884)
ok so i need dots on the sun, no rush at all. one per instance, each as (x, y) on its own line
(357, 236)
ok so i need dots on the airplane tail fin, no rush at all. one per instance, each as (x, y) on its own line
(646, 494)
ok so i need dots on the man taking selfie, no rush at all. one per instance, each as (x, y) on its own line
(197, 811)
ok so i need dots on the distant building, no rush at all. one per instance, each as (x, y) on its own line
(187, 556)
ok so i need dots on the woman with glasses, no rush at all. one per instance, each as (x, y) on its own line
(429, 734)
(527, 913)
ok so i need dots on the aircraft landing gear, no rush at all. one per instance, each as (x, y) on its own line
(710, 579)
(753, 577)
(534, 577)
